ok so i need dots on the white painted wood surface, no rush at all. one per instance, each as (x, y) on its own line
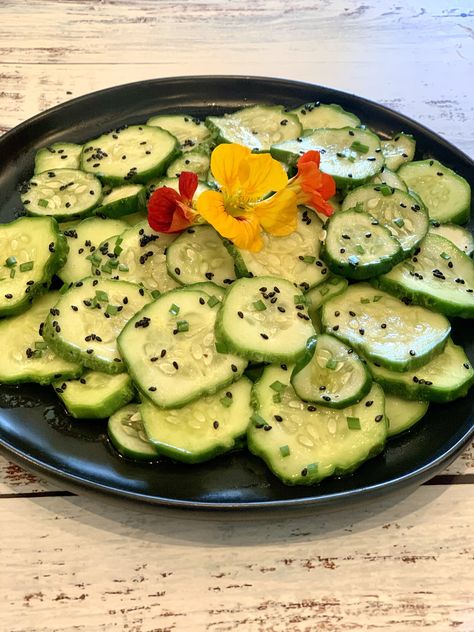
(82, 563)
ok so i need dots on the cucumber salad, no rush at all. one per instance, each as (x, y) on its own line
(311, 350)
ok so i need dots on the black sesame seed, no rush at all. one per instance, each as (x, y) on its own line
(89, 351)
(264, 336)
(215, 424)
(284, 367)
(412, 352)
(152, 389)
(304, 471)
(176, 365)
(369, 403)
(278, 417)
(234, 368)
(240, 314)
(266, 427)
(335, 328)
(383, 326)
(281, 309)
(379, 418)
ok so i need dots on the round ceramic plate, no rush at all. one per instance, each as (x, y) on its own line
(35, 430)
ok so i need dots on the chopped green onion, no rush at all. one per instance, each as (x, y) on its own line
(284, 450)
(154, 293)
(299, 299)
(10, 262)
(312, 468)
(308, 259)
(399, 221)
(226, 401)
(41, 345)
(213, 300)
(385, 190)
(107, 268)
(376, 298)
(359, 249)
(278, 386)
(43, 203)
(259, 306)
(37, 353)
(113, 263)
(101, 296)
(95, 259)
(174, 309)
(353, 423)
(334, 281)
(112, 310)
(323, 290)
(331, 364)
(444, 255)
(277, 398)
(360, 147)
(117, 250)
(182, 325)
(353, 260)
(12, 273)
(27, 266)
(364, 301)
(123, 268)
(258, 420)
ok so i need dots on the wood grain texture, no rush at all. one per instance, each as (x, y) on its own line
(88, 564)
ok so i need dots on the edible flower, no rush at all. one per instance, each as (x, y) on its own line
(313, 187)
(170, 211)
(237, 211)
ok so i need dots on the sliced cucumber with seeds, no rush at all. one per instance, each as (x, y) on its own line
(135, 154)
(189, 130)
(127, 434)
(198, 254)
(58, 156)
(398, 150)
(439, 276)
(446, 194)
(137, 255)
(203, 429)
(264, 319)
(446, 377)
(351, 156)
(256, 127)
(404, 217)
(85, 322)
(197, 161)
(322, 293)
(384, 329)
(358, 247)
(124, 200)
(62, 193)
(329, 115)
(25, 356)
(402, 414)
(170, 351)
(83, 240)
(390, 178)
(95, 395)
(330, 374)
(294, 257)
(32, 250)
(461, 237)
(303, 444)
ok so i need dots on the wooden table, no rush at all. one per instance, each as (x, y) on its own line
(81, 563)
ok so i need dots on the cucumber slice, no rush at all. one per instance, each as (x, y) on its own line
(439, 276)
(446, 377)
(203, 429)
(398, 211)
(317, 115)
(384, 329)
(189, 130)
(170, 351)
(294, 257)
(351, 156)
(32, 250)
(211, 289)
(446, 195)
(322, 293)
(124, 200)
(58, 156)
(301, 443)
(198, 254)
(127, 434)
(402, 414)
(256, 127)
(461, 237)
(264, 319)
(129, 154)
(25, 356)
(135, 218)
(330, 374)
(137, 255)
(83, 239)
(95, 395)
(390, 178)
(197, 161)
(398, 150)
(62, 193)
(358, 247)
(84, 325)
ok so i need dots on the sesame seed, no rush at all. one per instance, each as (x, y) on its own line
(215, 424)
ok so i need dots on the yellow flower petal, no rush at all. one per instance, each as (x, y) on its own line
(243, 231)
(226, 161)
(278, 214)
(259, 174)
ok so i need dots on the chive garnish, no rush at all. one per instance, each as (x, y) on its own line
(41, 345)
(360, 147)
(259, 306)
(117, 250)
(43, 203)
(353, 423)
(444, 255)
(284, 450)
(27, 266)
(182, 325)
(299, 299)
(10, 262)
(101, 296)
(359, 249)
(308, 259)
(331, 364)
(376, 298)
(226, 402)
(278, 386)
(213, 300)
(276, 398)
(123, 268)
(353, 260)
(334, 280)
(399, 221)
(258, 420)
(323, 290)
(112, 310)
(312, 468)
(12, 273)
(365, 300)
(385, 190)
(154, 293)
(174, 309)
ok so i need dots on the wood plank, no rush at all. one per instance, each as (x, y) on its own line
(100, 566)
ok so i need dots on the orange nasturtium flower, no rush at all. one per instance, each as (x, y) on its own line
(313, 187)
(170, 211)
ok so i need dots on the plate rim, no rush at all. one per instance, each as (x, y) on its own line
(314, 500)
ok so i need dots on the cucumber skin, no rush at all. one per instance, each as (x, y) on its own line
(306, 359)
(108, 407)
(54, 263)
(125, 206)
(124, 452)
(435, 304)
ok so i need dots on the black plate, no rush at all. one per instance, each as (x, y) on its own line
(34, 428)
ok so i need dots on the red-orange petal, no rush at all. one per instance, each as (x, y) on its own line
(188, 182)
